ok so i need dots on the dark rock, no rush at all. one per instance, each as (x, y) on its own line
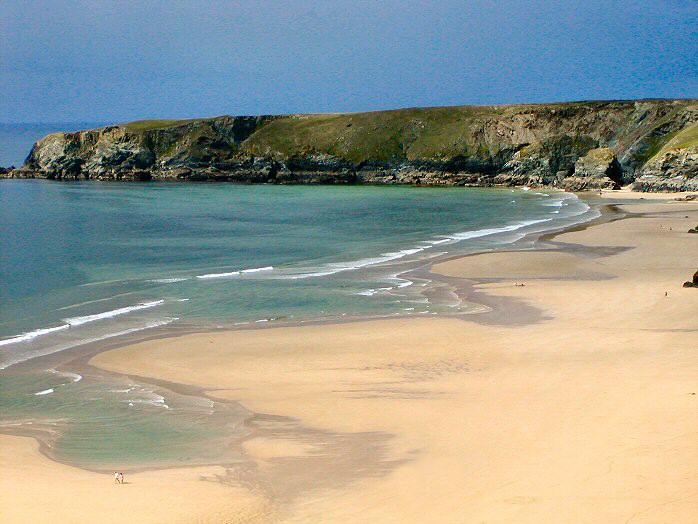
(598, 169)
(694, 282)
(670, 170)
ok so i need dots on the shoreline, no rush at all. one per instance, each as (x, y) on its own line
(422, 268)
(281, 433)
(575, 392)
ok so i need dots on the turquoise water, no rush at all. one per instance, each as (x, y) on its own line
(85, 262)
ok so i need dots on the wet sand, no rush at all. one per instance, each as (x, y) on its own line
(585, 412)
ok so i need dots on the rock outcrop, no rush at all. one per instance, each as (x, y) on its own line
(693, 282)
(598, 169)
(578, 146)
(675, 166)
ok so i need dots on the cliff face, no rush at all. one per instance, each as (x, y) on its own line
(582, 145)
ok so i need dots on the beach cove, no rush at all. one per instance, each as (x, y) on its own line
(581, 409)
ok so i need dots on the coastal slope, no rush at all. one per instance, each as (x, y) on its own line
(576, 145)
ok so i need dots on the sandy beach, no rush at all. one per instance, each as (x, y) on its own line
(585, 412)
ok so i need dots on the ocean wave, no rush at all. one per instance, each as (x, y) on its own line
(32, 334)
(44, 392)
(105, 299)
(257, 269)
(55, 349)
(75, 377)
(151, 399)
(234, 273)
(338, 267)
(78, 321)
(479, 233)
(553, 203)
(332, 268)
(167, 280)
(401, 282)
(101, 282)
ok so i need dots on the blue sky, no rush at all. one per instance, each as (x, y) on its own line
(67, 61)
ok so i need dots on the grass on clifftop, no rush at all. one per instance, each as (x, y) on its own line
(379, 136)
(149, 125)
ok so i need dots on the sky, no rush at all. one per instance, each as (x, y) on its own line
(116, 61)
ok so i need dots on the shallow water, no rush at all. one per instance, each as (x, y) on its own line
(88, 261)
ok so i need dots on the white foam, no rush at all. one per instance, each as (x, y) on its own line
(75, 377)
(553, 203)
(127, 390)
(234, 273)
(32, 334)
(401, 282)
(167, 280)
(78, 321)
(44, 392)
(218, 275)
(478, 233)
(257, 269)
(100, 283)
(436, 242)
(56, 349)
(155, 400)
(338, 267)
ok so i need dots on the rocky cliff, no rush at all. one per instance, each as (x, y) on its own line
(581, 145)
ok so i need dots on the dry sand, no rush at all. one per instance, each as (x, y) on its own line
(589, 414)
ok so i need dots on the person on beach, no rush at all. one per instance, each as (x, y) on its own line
(116, 477)
(121, 478)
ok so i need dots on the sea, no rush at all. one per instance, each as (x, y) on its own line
(85, 265)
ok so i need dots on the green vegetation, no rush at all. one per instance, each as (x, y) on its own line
(440, 132)
(150, 125)
(687, 137)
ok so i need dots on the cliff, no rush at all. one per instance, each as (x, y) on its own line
(580, 145)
